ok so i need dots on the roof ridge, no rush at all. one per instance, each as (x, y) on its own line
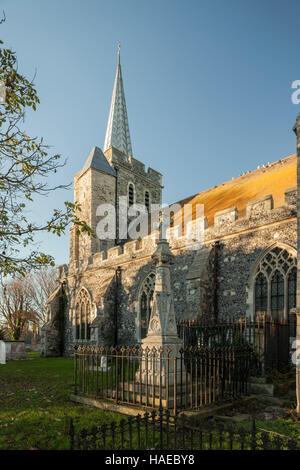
(250, 173)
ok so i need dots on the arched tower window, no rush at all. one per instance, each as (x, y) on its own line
(147, 201)
(275, 283)
(130, 194)
(145, 303)
(83, 316)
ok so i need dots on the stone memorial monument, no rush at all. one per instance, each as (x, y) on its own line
(162, 330)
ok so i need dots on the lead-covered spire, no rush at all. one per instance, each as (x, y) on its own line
(117, 132)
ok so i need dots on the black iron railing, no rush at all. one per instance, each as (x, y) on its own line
(162, 431)
(270, 338)
(155, 378)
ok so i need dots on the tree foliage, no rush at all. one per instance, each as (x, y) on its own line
(25, 165)
(23, 301)
(41, 284)
(16, 306)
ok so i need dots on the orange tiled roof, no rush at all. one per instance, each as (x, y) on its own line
(274, 179)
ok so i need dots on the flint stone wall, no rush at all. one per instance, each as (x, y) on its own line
(241, 241)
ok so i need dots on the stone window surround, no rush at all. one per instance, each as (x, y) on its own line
(143, 283)
(83, 292)
(131, 183)
(250, 312)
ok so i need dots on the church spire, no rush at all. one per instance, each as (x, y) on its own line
(117, 132)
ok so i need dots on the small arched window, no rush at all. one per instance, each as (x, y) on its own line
(130, 194)
(147, 201)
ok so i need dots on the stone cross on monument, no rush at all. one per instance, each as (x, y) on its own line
(297, 310)
(162, 330)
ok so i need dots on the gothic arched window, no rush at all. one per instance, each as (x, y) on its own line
(275, 283)
(83, 316)
(145, 303)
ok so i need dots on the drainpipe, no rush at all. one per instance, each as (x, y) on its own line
(116, 309)
(215, 280)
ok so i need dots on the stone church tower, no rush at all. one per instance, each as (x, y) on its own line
(109, 175)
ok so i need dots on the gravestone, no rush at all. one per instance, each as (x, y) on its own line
(2, 353)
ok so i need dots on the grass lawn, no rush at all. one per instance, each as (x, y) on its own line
(35, 406)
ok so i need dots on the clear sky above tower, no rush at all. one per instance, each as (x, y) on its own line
(207, 84)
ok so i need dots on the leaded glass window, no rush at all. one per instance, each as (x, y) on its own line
(277, 295)
(275, 283)
(292, 288)
(261, 294)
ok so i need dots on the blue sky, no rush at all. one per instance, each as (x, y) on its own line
(207, 84)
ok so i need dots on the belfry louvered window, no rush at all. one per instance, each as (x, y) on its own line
(130, 195)
(275, 283)
(147, 201)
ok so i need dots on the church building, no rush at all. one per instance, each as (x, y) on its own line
(246, 263)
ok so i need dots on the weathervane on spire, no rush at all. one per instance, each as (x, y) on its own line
(119, 47)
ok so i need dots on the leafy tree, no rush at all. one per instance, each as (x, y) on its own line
(25, 165)
(16, 306)
(23, 301)
(41, 284)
